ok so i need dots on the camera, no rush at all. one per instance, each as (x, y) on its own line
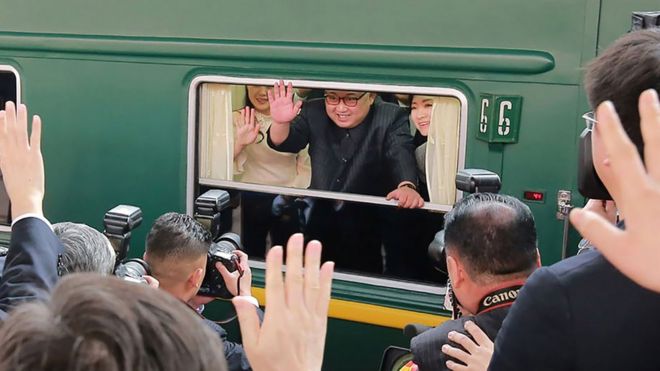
(221, 251)
(133, 270)
(208, 210)
(118, 224)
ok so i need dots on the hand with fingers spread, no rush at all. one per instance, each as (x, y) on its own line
(282, 110)
(282, 107)
(292, 335)
(475, 355)
(21, 161)
(231, 278)
(247, 130)
(636, 191)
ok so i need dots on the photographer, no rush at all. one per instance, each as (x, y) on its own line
(491, 250)
(573, 314)
(176, 252)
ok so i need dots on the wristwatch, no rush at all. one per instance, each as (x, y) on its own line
(409, 185)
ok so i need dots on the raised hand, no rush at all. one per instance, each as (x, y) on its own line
(292, 335)
(282, 108)
(247, 129)
(635, 251)
(21, 161)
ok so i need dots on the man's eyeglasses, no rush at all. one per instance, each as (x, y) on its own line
(349, 101)
(589, 119)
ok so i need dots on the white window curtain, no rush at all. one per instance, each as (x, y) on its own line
(442, 150)
(216, 145)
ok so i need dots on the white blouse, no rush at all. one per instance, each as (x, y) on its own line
(258, 163)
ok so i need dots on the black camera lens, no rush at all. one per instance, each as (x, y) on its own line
(228, 242)
(132, 270)
(222, 251)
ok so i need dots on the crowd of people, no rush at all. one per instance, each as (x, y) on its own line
(594, 311)
(61, 308)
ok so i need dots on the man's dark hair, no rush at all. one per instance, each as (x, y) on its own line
(179, 236)
(101, 323)
(85, 249)
(625, 69)
(494, 234)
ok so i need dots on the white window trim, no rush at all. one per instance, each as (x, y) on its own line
(405, 89)
(8, 68)
(192, 140)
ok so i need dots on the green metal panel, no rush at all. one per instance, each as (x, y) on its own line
(111, 82)
(113, 133)
(547, 26)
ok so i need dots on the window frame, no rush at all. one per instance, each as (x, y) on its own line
(192, 179)
(9, 68)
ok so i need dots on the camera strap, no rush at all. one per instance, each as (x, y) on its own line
(499, 298)
(238, 290)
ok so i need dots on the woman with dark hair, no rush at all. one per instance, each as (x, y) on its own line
(256, 162)
(415, 228)
(421, 107)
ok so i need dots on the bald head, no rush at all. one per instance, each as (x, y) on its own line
(493, 235)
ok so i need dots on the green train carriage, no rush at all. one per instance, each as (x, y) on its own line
(118, 85)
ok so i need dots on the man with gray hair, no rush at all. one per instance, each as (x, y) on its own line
(85, 249)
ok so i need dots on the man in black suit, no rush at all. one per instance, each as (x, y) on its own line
(582, 313)
(30, 271)
(357, 144)
(491, 250)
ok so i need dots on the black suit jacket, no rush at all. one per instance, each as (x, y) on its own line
(426, 347)
(234, 353)
(30, 270)
(371, 158)
(580, 314)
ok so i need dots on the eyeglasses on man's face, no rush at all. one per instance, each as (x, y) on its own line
(590, 120)
(349, 101)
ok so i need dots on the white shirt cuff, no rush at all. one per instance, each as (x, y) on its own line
(251, 299)
(31, 215)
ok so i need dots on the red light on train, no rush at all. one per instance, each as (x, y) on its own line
(534, 196)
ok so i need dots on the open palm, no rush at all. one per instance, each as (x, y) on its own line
(247, 130)
(282, 108)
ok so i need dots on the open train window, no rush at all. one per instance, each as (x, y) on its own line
(331, 184)
(9, 91)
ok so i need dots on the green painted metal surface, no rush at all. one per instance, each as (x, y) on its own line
(111, 81)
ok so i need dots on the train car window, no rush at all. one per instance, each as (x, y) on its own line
(9, 91)
(348, 147)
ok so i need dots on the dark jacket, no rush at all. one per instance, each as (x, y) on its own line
(234, 352)
(426, 347)
(371, 158)
(30, 270)
(580, 314)
(493, 308)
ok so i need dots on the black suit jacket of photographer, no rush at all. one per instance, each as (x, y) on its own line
(580, 314)
(426, 346)
(234, 352)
